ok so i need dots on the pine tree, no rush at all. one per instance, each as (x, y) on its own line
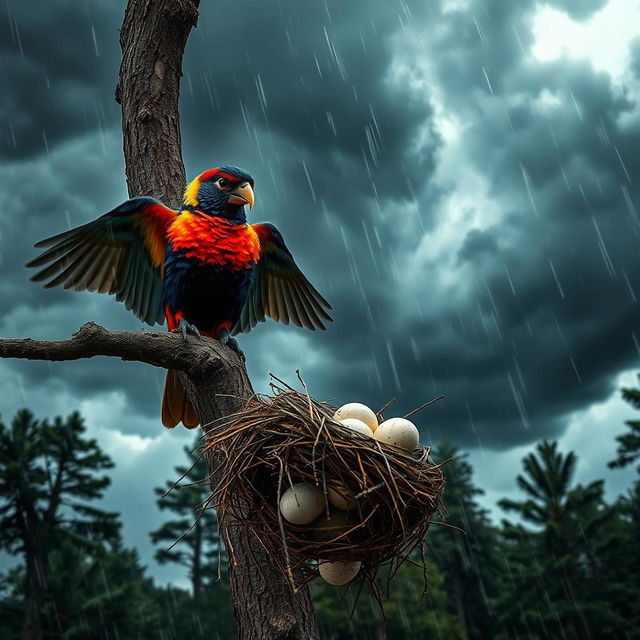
(48, 482)
(556, 561)
(71, 465)
(466, 554)
(405, 617)
(629, 442)
(191, 539)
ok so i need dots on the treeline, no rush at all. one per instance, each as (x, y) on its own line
(565, 566)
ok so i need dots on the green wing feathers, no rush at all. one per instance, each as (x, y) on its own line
(280, 290)
(120, 253)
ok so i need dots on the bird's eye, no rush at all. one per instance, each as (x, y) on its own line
(223, 183)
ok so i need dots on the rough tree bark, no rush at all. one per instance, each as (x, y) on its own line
(153, 37)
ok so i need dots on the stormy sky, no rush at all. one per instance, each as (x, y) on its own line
(458, 177)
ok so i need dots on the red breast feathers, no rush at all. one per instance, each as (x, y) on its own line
(214, 240)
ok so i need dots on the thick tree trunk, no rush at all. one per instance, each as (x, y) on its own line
(265, 607)
(153, 38)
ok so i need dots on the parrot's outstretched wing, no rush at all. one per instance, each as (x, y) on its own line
(280, 290)
(121, 253)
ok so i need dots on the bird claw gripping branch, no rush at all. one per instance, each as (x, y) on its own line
(184, 327)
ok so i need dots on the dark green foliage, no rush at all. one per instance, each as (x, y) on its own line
(405, 618)
(49, 477)
(183, 617)
(99, 596)
(467, 551)
(629, 442)
(564, 567)
(559, 565)
(76, 576)
(195, 525)
(49, 474)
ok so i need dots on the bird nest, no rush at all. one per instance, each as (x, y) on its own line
(288, 437)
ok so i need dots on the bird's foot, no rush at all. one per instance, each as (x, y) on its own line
(184, 327)
(232, 343)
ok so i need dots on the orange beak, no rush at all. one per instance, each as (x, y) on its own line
(242, 195)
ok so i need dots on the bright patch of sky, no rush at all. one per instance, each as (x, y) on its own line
(603, 39)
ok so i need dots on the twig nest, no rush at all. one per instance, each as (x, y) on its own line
(398, 432)
(289, 465)
(339, 573)
(354, 424)
(358, 411)
(301, 503)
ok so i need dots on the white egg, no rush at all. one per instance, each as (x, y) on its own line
(301, 503)
(340, 497)
(359, 411)
(357, 425)
(339, 573)
(398, 432)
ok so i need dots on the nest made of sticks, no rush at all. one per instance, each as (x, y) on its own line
(286, 438)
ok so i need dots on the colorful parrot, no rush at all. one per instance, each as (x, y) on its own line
(203, 268)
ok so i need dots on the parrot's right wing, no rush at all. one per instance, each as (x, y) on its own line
(280, 290)
(121, 253)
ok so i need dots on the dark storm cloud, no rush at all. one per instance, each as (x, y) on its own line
(58, 73)
(329, 107)
(553, 315)
(525, 316)
(513, 365)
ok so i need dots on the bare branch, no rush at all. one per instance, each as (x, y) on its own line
(195, 356)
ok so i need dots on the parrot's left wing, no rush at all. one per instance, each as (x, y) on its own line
(121, 253)
(280, 290)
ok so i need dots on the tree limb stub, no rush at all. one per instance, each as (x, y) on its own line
(213, 374)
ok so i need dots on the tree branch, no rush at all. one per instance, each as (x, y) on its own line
(195, 356)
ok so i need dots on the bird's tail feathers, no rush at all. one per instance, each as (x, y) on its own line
(175, 404)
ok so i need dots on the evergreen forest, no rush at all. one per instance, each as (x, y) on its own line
(562, 564)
